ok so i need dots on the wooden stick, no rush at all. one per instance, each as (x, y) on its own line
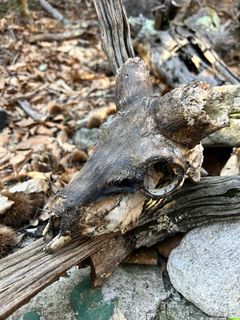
(34, 114)
(105, 261)
(29, 270)
(61, 36)
(53, 12)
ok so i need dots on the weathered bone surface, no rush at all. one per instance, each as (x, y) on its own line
(145, 150)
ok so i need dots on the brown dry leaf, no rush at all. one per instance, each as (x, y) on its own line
(58, 79)
(61, 86)
(74, 159)
(100, 84)
(3, 82)
(144, 256)
(3, 152)
(59, 117)
(232, 167)
(98, 116)
(67, 147)
(79, 155)
(4, 155)
(4, 137)
(35, 141)
(19, 159)
(81, 75)
(39, 175)
(55, 150)
(62, 137)
(30, 186)
(166, 246)
(5, 204)
(68, 175)
(42, 130)
(54, 108)
(26, 122)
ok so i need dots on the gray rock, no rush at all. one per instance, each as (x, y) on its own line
(205, 268)
(138, 289)
(226, 137)
(85, 138)
(176, 307)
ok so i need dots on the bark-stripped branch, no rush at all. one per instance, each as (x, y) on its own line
(115, 31)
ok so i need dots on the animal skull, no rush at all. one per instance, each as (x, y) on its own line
(146, 150)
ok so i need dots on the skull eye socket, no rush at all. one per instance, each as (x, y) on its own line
(163, 176)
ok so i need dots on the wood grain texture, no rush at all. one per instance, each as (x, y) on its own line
(105, 260)
(179, 56)
(115, 31)
(210, 200)
(29, 270)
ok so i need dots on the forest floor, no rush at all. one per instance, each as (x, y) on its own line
(48, 89)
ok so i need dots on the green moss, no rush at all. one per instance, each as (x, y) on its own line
(88, 303)
(31, 315)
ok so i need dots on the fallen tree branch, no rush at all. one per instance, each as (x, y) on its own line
(179, 55)
(115, 31)
(34, 114)
(61, 36)
(53, 12)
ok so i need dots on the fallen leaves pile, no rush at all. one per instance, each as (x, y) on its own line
(48, 89)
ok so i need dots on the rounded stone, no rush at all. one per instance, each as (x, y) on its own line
(205, 268)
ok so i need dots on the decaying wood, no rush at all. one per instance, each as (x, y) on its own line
(179, 55)
(210, 200)
(29, 270)
(115, 31)
(105, 260)
(186, 39)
